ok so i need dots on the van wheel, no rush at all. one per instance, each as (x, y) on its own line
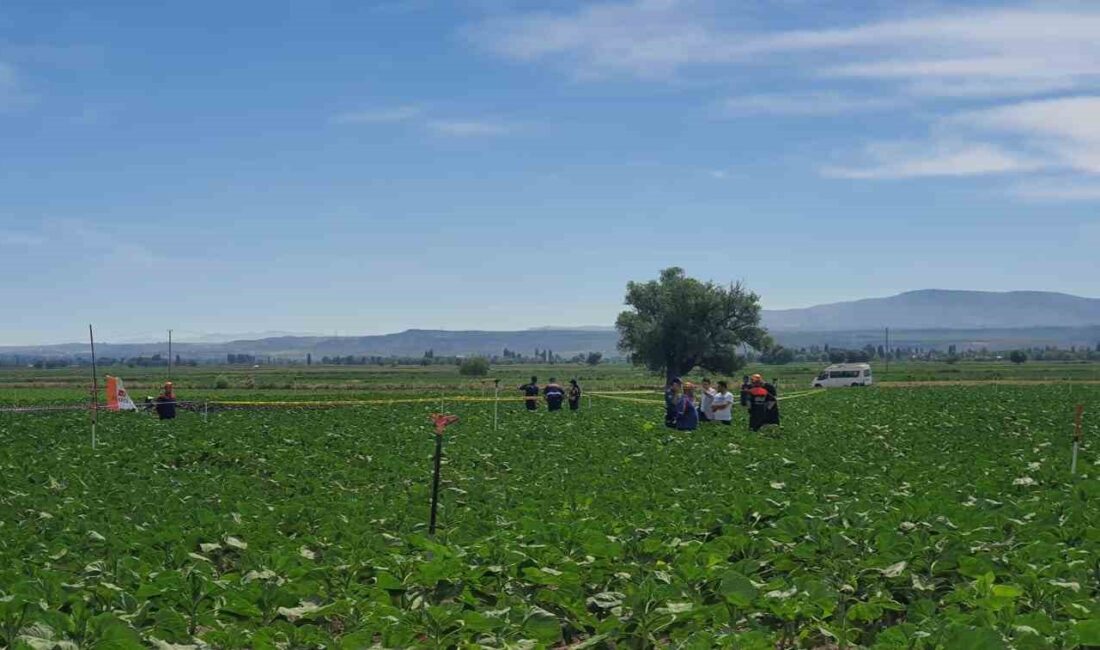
(856, 385)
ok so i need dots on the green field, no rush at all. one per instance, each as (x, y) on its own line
(71, 385)
(927, 517)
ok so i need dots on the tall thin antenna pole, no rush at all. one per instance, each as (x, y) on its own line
(95, 386)
(169, 355)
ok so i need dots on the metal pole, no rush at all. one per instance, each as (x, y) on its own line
(1076, 437)
(435, 482)
(205, 409)
(169, 355)
(95, 386)
(496, 401)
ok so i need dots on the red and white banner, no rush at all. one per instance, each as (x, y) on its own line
(117, 397)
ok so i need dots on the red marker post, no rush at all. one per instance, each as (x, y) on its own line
(441, 421)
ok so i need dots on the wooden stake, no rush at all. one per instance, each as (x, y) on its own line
(95, 386)
(435, 482)
(1077, 437)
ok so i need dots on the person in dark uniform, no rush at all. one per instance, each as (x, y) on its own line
(554, 394)
(763, 406)
(746, 385)
(165, 403)
(672, 394)
(531, 394)
(574, 395)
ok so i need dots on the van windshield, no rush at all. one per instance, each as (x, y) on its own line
(823, 375)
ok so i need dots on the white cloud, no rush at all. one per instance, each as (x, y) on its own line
(942, 61)
(1067, 130)
(379, 115)
(916, 160)
(470, 128)
(12, 94)
(808, 103)
(657, 37)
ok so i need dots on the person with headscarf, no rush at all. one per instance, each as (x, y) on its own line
(574, 395)
(763, 404)
(165, 403)
(554, 395)
(531, 394)
(687, 415)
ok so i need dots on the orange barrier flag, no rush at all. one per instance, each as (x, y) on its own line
(117, 397)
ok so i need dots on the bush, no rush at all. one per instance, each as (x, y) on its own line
(221, 382)
(474, 367)
(1017, 356)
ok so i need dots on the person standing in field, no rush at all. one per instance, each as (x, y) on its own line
(165, 403)
(706, 399)
(531, 394)
(574, 395)
(687, 416)
(746, 386)
(554, 394)
(722, 404)
(763, 406)
(672, 393)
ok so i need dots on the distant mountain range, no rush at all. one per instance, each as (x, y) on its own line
(929, 319)
(942, 309)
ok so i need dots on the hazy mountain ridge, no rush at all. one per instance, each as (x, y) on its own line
(942, 309)
(931, 318)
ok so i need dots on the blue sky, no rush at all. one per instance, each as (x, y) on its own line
(365, 167)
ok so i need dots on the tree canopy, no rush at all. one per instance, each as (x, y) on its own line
(677, 323)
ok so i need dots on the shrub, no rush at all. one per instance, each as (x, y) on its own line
(1017, 356)
(474, 367)
(221, 382)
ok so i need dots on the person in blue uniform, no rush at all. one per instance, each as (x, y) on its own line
(574, 395)
(672, 394)
(531, 394)
(165, 403)
(554, 395)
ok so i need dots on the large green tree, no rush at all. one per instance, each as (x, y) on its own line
(677, 323)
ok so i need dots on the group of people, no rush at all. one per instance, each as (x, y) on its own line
(553, 393)
(715, 404)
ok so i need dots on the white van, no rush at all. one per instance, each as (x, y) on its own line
(844, 374)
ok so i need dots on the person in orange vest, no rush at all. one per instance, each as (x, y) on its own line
(763, 404)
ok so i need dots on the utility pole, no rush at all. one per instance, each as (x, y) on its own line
(887, 350)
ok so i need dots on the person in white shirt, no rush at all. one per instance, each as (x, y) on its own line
(722, 405)
(705, 412)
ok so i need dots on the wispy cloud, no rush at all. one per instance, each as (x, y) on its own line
(649, 38)
(13, 96)
(418, 116)
(1004, 90)
(806, 103)
(379, 115)
(916, 160)
(470, 128)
